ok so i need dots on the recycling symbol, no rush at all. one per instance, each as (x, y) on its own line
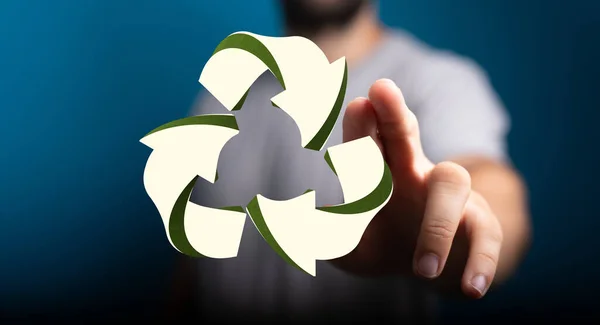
(313, 94)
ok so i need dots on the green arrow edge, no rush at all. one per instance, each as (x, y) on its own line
(176, 222)
(256, 215)
(374, 199)
(369, 202)
(255, 47)
(319, 140)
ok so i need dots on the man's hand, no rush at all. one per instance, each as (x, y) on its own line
(434, 209)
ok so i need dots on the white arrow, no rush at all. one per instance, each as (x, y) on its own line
(303, 234)
(313, 91)
(182, 151)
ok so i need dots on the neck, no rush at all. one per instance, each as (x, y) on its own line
(354, 41)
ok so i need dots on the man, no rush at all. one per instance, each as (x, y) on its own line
(457, 222)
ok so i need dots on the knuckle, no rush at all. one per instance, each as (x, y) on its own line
(440, 228)
(485, 222)
(452, 174)
(477, 198)
(490, 258)
(489, 224)
(479, 202)
(497, 235)
(411, 123)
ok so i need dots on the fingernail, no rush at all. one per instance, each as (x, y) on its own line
(428, 265)
(479, 283)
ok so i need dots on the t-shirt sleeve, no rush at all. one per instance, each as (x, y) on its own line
(458, 110)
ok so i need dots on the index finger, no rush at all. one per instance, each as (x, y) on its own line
(397, 124)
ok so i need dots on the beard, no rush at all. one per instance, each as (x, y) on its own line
(310, 16)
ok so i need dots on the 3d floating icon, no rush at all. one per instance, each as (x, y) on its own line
(296, 229)
(184, 150)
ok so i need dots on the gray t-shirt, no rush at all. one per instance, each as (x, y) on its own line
(459, 114)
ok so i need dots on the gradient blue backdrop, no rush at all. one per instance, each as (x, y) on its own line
(82, 81)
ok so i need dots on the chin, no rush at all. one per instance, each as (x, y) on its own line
(319, 13)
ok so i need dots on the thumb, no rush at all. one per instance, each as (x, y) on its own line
(360, 121)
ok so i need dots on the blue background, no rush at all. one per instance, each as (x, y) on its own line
(82, 81)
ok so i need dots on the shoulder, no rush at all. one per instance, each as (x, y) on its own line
(423, 71)
(424, 60)
(458, 110)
